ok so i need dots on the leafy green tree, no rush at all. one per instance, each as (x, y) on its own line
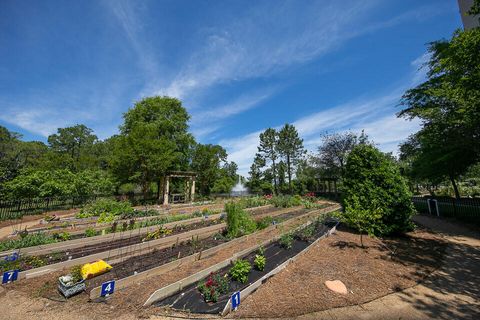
(74, 145)
(377, 200)
(268, 152)
(256, 176)
(153, 140)
(214, 173)
(448, 104)
(475, 8)
(290, 147)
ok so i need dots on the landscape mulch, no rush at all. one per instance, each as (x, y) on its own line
(382, 267)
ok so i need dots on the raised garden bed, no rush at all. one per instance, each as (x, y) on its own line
(276, 254)
(159, 257)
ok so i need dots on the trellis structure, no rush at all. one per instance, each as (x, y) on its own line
(190, 178)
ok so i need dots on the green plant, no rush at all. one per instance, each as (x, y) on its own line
(240, 270)
(264, 222)
(106, 217)
(377, 200)
(106, 207)
(213, 287)
(64, 236)
(239, 222)
(29, 240)
(286, 241)
(286, 201)
(159, 233)
(260, 262)
(90, 232)
(76, 273)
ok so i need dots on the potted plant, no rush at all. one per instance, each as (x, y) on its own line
(72, 283)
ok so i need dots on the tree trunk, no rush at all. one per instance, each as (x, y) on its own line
(274, 171)
(361, 239)
(289, 172)
(455, 187)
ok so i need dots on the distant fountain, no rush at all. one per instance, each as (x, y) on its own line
(239, 189)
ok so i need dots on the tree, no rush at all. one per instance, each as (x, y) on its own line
(214, 173)
(448, 104)
(73, 143)
(256, 177)
(268, 151)
(333, 153)
(475, 8)
(153, 140)
(290, 147)
(377, 200)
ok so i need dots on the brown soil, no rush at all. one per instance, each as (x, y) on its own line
(382, 267)
(38, 296)
(95, 248)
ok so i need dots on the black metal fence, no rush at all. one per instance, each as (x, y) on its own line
(467, 209)
(15, 209)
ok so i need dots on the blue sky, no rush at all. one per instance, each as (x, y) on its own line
(238, 66)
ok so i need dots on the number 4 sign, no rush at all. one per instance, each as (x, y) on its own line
(9, 276)
(235, 300)
(107, 288)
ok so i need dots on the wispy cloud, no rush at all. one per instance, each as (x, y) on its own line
(375, 115)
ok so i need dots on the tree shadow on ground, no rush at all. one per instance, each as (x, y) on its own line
(455, 286)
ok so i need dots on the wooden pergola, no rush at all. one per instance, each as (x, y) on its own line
(189, 176)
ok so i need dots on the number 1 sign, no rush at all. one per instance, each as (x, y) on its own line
(235, 300)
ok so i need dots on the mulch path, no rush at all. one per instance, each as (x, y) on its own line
(382, 267)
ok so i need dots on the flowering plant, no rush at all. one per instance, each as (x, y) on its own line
(213, 287)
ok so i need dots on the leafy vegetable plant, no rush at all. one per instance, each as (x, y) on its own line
(240, 270)
(260, 262)
(213, 287)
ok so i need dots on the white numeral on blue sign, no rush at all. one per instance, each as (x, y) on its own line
(107, 288)
(9, 276)
(235, 300)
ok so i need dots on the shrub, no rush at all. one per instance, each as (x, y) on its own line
(286, 241)
(240, 270)
(213, 287)
(252, 202)
(239, 222)
(260, 262)
(377, 200)
(90, 232)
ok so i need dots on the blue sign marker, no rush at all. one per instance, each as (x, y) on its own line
(9, 276)
(107, 288)
(235, 300)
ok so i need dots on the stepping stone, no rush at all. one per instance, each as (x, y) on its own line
(336, 286)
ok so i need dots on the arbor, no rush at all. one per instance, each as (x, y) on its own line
(290, 147)
(153, 140)
(377, 200)
(268, 152)
(448, 103)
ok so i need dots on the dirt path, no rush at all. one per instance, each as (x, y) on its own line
(452, 292)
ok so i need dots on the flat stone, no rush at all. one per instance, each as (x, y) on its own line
(336, 286)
